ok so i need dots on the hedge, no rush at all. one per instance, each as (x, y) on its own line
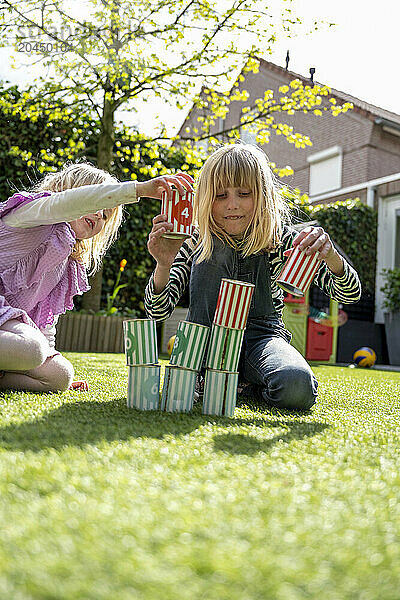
(353, 226)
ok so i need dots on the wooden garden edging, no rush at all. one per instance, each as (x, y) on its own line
(78, 332)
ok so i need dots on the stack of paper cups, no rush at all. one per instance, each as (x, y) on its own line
(142, 359)
(220, 386)
(185, 361)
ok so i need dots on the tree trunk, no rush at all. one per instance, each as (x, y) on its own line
(107, 136)
(92, 299)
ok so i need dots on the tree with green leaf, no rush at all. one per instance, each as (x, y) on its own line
(103, 56)
(107, 55)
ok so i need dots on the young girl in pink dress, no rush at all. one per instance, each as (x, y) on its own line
(48, 241)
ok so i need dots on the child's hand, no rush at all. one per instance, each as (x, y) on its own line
(155, 187)
(314, 239)
(163, 250)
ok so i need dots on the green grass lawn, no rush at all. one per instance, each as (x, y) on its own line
(101, 502)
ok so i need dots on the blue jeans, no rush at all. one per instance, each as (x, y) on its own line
(281, 374)
(277, 370)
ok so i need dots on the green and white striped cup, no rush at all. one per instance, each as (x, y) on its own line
(144, 387)
(220, 392)
(140, 342)
(189, 346)
(224, 348)
(178, 389)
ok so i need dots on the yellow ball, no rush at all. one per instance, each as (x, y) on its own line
(364, 357)
(170, 345)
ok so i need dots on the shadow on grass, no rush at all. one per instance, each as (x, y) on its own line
(81, 423)
(238, 443)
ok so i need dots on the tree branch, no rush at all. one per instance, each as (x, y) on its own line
(52, 36)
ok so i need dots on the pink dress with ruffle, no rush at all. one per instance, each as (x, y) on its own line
(38, 279)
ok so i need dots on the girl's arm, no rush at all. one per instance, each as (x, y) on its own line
(163, 250)
(77, 202)
(161, 297)
(71, 204)
(160, 306)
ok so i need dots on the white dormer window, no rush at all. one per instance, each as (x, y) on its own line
(249, 135)
(325, 170)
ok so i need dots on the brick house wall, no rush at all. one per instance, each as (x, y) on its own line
(368, 152)
(384, 155)
(388, 189)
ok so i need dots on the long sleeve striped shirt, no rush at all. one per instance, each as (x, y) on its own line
(345, 289)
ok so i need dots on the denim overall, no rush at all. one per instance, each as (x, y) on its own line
(281, 375)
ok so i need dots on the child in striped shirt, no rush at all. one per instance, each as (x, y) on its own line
(243, 231)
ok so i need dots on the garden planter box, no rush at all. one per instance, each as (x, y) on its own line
(78, 332)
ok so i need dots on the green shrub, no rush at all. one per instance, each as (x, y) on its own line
(391, 289)
(31, 146)
(353, 226)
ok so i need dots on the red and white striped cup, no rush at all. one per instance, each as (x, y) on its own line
(179, 211)
(233, 303)
(298, 271)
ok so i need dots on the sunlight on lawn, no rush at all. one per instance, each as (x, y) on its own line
(101, 501)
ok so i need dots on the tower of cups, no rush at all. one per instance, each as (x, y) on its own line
(143, 368)
(185, 362)
(226, 338)
(191, 338)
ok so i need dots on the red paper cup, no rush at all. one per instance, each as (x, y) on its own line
(179, 211)
(233, 303)
(298, 271)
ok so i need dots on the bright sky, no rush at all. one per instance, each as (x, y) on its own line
(358, 56)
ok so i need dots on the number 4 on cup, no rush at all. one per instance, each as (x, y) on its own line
(185, 213)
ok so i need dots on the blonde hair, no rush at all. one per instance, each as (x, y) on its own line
(91, 251)
(240, 166)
